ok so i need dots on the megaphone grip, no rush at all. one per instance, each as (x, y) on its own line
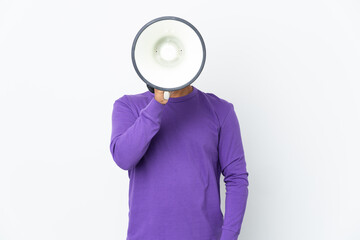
(166, 95)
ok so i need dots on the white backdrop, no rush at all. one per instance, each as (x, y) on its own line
(291, 69)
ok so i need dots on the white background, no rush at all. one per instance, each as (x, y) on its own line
(291, 69)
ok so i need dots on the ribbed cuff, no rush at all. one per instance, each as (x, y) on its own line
(229, 235)
(154, 110)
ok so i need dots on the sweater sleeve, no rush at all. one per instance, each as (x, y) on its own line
(233, 167)
(131, 135)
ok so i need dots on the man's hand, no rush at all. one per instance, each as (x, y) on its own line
(159, 96)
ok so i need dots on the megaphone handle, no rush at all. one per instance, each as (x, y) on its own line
(166, 95)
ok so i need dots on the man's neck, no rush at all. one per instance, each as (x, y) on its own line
(181, 92)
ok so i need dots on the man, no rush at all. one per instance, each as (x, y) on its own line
(174, 151)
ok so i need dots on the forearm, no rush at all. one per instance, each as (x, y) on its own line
(235, 202)
(129, 146)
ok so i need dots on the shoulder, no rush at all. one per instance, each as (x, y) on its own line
(133, 99)
(220, 105)
(135, 102)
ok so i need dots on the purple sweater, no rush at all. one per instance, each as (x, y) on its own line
(174, 154)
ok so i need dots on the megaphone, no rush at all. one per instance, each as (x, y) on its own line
(168, 53)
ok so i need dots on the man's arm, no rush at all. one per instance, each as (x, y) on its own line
(233, 167)
(131, 136)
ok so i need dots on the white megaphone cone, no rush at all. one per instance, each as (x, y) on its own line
(168, 53)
